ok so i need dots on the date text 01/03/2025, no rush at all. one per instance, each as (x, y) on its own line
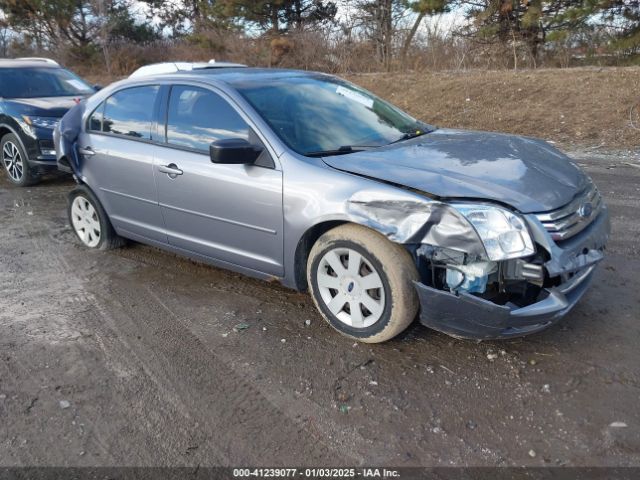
(315, 472)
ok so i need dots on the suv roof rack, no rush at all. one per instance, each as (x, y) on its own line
(39, 59)
(174, 67)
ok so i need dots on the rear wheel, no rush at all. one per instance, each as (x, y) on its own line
(15, 163)
(362, 283)
(90, 222)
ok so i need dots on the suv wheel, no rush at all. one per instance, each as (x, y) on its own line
(90, 222)
(362, 283)
(14, 161)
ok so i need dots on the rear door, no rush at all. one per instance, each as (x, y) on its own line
(118, 154)
(232, 213)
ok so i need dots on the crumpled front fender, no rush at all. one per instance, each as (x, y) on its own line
(65, 136)
(411, 219)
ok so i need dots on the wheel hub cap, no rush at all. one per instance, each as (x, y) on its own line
(350, 287)
(85, 221)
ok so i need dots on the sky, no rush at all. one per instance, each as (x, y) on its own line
(442, 23)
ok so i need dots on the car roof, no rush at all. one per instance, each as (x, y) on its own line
(239, 77)
(178, 66)
(18, 63)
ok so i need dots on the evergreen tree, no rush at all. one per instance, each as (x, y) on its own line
(279, 16)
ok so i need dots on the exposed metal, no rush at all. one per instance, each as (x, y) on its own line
(407, 217)
(519, 269)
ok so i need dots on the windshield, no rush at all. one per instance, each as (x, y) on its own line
(323, 115)
(41, 82)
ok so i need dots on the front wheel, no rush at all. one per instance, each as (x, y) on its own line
(362, 283)
(15, 162)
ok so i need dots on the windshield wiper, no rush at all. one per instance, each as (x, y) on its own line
(410, 135)
(343, 150)
(418, 132)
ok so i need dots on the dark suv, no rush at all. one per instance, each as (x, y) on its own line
(34, 94)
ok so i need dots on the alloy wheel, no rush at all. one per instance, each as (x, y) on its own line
(12, 161)
(350, 287)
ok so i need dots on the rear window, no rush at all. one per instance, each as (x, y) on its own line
(41, 82)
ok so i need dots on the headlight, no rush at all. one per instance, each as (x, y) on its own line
(503, 233)
(41, 122)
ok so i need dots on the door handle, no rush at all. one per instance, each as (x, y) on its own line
(172, 170)
(87, 151)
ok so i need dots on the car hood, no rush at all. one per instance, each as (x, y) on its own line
(43, 107)
(526, 173)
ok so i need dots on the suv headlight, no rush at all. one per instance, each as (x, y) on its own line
(41, 122)
(503, 233)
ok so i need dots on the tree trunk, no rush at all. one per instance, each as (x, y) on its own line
(298, 15)
(386, 27)
(412, 33)
(275, 20)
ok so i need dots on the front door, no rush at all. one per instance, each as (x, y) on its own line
(232, 213)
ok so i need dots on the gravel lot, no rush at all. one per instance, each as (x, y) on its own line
(139, 357)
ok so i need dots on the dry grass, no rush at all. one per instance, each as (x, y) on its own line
(578, 106)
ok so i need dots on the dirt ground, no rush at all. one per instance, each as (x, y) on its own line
(598, 107)
(139, 357)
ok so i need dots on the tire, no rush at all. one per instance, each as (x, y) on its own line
(15, 162)
(90, 222)
(385, 310)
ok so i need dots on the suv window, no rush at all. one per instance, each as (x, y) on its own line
(130, 112)
(41, 82)
(197, 117)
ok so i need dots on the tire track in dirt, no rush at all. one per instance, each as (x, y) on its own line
(243, 407)
(227, 409)
(58, 282)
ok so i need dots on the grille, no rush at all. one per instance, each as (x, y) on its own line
(567, 221)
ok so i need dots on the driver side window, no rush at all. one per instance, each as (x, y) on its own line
(197, 117)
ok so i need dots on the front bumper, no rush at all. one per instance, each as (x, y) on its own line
(44, 161)
(40, 149)
(468, 316)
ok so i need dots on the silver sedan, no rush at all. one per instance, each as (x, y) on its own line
(308, 179)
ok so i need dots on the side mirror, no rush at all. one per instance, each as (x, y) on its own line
(97, 87)
(234, 150)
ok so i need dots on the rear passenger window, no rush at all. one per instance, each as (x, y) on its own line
(130, 112)
(198, 117)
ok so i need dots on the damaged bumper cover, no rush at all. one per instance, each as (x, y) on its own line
(65, 136)
(465, 315)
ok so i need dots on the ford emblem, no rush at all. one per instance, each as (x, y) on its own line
(585, 210)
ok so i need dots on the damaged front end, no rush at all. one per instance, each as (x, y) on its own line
(487, 272)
